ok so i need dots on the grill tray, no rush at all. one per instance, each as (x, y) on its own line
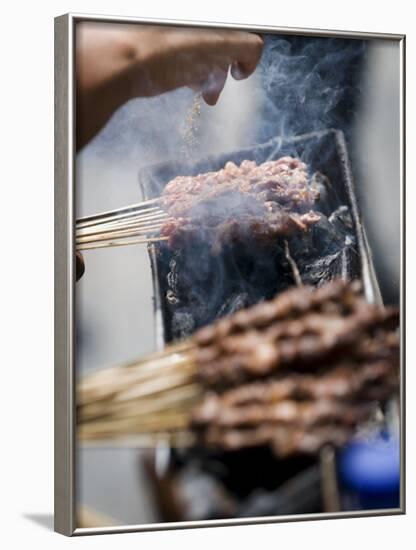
(324, 152)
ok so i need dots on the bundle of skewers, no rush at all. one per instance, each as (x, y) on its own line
(134, 224)
(295, 373)
(273, 200)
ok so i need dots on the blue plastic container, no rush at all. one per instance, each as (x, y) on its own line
(370, 473)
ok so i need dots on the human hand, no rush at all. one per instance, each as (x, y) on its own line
(115, 63)
(197, 58)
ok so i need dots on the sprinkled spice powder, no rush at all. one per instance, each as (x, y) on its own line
(191, 126)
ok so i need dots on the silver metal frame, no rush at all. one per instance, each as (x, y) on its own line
(65, 440)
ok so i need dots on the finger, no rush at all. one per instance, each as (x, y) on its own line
(79, 265)
(238, 72)
(241, 70)
(213, 86)
(245, 63)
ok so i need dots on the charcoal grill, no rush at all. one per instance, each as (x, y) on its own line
(281, 486)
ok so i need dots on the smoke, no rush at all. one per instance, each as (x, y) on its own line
(302, 85)
(308, 84)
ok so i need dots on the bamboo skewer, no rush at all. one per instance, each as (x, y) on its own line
(118, 227)
(152, 396)
(141, 221)
(293, 266)
(127, 427)
(118, 211)
(117, 233)
(179, 397)
(141, 215)
(90, 246)
(108, 382)
(120, 217)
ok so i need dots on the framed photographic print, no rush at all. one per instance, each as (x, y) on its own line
(228, 274)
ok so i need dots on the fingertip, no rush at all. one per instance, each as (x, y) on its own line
(210, 98)
(79, 265)
(237, 71)
(243, 68)
(213, 86)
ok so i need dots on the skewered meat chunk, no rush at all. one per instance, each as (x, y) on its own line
(297, 372)
(289, 412)
(232, 353)
(291, 304)
(285, 181)
(265, 202)
(344, 382)
(263, 228)
(284, 440)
